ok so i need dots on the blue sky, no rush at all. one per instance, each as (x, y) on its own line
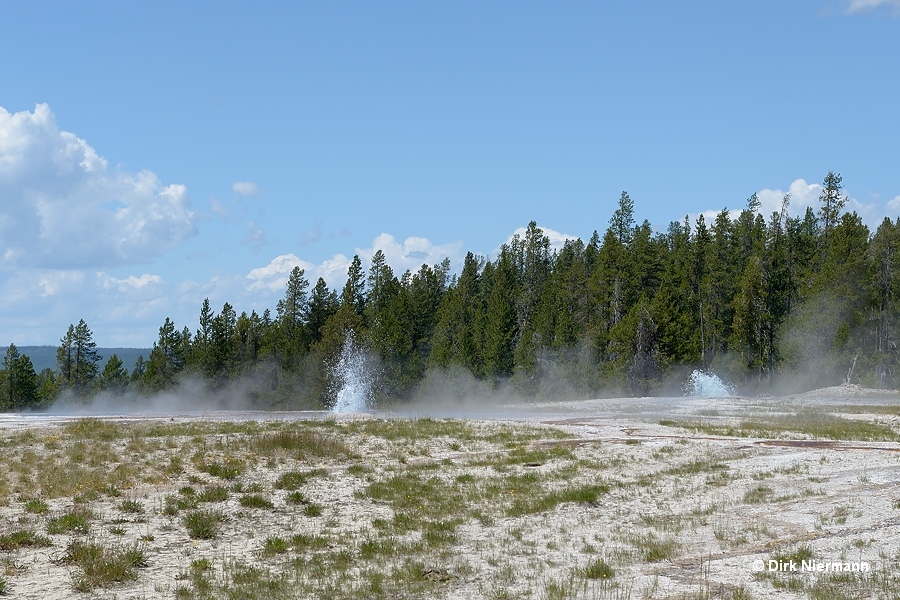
(153, 154)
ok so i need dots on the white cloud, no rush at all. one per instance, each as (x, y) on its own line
(63, 207)
(806, 195)
(557, 239)
(410, 255)
(245, 188)
(803, 195)
(854, 6)
(274, 276)
(130, 284)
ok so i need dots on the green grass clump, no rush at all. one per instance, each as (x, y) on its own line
(312, 510)
(131, 506)
(202, 524)
(36, 506)
(176, 503)
(301, 440)
(292, 480)
(275, 545)
(93, 429)
(256, 501)
(526, 504)
(598, 569)
(213, 493)
(798, 555)
(102, 565)
(74, 521)
(23, 539)
(296, 498)
(228, 469)
(307, 541)
(758, 495)
(815, 424)
(654, 549)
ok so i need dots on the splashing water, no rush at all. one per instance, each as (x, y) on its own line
(353, 376)
(706, 385)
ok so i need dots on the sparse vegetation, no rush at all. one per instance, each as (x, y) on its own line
(365, 524)
(101, 565)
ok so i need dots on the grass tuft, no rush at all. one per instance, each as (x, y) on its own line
(75, 521)
(23, 539)
(36, 506)
(598, 569)
(103, 565)
(202, 524)
(256, 501)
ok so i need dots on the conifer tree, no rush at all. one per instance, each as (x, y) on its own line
(18, 381)
(114, 377)
(77, 359)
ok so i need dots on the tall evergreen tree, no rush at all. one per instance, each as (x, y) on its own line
(831, 203)
(322, 304)
(353, 294)
(500, 326)
(114, 377)
(77, 359)
(18, 381)
(166, 359)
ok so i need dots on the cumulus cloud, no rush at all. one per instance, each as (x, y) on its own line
(274, 276)
(63, 207)
(410, 254)
(557, 239)
(245, 188)
(803, 196)
(856, 6)
(130, 284)
(806, 195)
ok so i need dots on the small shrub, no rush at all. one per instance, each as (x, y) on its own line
(312, 510)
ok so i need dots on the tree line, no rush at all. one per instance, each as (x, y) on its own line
(628, 312)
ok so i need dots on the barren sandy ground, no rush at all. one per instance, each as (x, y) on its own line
(621, 498)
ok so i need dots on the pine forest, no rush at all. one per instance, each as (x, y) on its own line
(768, 302)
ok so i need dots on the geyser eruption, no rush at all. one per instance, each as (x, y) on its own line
(706, 385)
(354, 377)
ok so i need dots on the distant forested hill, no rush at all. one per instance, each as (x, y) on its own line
(43, 357)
